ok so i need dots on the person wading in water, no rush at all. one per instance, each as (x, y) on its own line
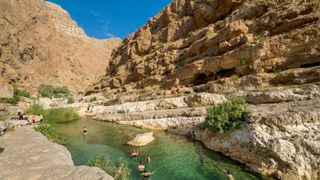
(84, 131)
(147, 174)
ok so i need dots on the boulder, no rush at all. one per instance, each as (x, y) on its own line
(142, 139)
(14, 123)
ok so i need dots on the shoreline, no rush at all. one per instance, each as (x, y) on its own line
(35, 157)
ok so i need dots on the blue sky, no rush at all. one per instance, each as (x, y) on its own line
(107, 18)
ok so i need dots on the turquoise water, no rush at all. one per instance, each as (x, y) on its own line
(173, 157)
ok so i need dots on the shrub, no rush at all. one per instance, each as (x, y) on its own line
(21, 93)
(234, 77)
(16, 97)
(112, 101)
(243, 63)
(226, 116)
(62, 90)
(56, 115)
(93, 99)
(119, 171)
(60, 115)
(46, 90)
(71, 100)
(35, 109)
(49, 91)
(14, 101)
(51, 132)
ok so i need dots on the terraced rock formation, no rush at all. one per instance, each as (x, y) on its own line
(192, 43)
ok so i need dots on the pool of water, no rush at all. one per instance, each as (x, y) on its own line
(173, 157)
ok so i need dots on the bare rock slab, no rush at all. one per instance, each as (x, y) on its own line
(142, 139)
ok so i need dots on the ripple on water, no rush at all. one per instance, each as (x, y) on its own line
(173, 157)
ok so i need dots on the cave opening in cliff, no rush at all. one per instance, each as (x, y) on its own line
(202, 78)
(310, 65)
(225, 73)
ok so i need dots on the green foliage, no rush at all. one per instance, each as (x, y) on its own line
(244, 63)
(14, 101)
(93, 99)
(60, 115)
(51, 132)
(35, 109)
(234, 77)
(49, 91)
(55, 115)
(21, 93)
(46, 90)
(226, 116)
(112, 101)
(71, 100)
(18, 93)
(119, 170)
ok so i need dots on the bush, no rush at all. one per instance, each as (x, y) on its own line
(51, 132)
(112, 101)
(93, 99)
(46, 90)
(234, 77)
(49, 91)
(71, 100)
(14, 101)
(60, 115)
(226, 116)
(21, 93)
(55, 115)
(119, 171)
(17, 94)
(35, 109)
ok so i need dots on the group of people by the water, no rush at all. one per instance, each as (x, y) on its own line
(141, 166)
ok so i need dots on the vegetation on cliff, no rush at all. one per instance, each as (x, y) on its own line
(17, 95)
(226, 116)
(50, 91)
(119, 171)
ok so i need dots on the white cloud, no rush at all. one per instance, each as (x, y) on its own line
(109, 35)
(95, 13)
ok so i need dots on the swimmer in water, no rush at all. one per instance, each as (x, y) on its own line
(134, 153)
(84, 131)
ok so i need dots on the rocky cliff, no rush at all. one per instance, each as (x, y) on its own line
(206, 42)
(40, 43)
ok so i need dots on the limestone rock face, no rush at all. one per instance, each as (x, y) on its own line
(35, 157)
(6, 90)
(40, 43)
(279, 140)
(142, 139)
(193, 42)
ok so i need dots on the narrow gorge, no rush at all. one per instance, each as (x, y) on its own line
(195, 64)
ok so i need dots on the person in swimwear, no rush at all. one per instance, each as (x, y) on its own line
(148, 159)
(141, 167)
(84, 131)
(134, 153)
(146, 174)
